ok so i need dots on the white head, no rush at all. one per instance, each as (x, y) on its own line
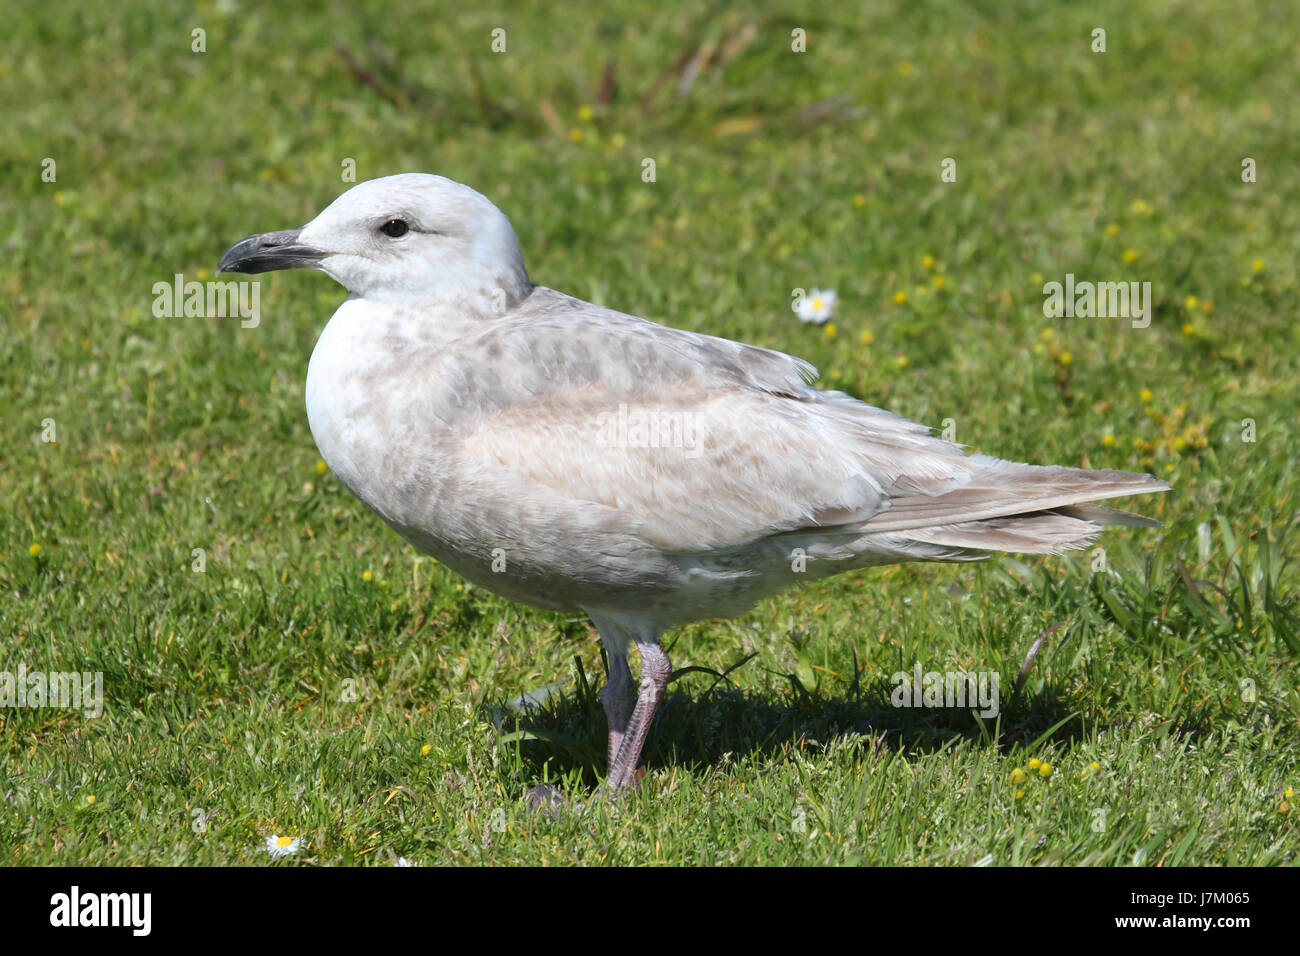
(405, 239)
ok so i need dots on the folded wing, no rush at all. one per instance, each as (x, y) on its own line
(701, 444)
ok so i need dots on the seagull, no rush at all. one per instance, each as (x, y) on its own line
(571, 457)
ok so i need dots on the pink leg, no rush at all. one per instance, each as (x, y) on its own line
(655, 669)
(619, 700)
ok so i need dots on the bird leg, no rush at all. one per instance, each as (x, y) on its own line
(655, 669)
(619, 699)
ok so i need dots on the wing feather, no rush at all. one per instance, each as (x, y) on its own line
(702, 443)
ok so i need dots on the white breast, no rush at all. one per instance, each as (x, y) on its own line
(339, 411)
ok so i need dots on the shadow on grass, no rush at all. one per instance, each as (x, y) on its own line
(705, 721)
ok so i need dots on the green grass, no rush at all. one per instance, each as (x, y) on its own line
(227, 691)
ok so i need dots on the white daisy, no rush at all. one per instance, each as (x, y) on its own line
(279, 846)
(403, 861)
(817, 306)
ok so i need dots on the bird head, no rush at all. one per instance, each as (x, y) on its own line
(410, 238)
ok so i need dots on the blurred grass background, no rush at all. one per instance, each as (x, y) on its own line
(1166, 697)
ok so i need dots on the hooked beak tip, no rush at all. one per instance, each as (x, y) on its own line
(268, 252)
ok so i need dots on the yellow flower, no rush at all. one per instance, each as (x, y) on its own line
(1112, 229)
(1094, 765)
(1257, 266)
(34, 550)
(1129, 255)
(1065, 358)
(1191, 302)
(586, 113)
(1108, 439)
(575, 135)
(867, 337)
(938, 282)
(1140, 206)
(203, 273)
(1288, 793)
(1046, 770)
(1046, 334)
(425, 749)
(90, 798)
(321, 467)
(830, 330)
(1146, 395)
(366, 575)
(927, 261)
(1018, 776)
(1019, 794)
(901, 360)
(859, 200)
(1036, 278)
(1035, 763)
(1188, 328)
(1207, 306)
(900, 298)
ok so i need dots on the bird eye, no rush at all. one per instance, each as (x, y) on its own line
(394, 228)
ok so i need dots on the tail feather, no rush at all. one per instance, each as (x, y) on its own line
(1002, 489)
(1100, 514)
(1043, 532)
(1029, 509)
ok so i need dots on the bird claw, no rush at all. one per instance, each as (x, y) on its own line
(629, 786)
(544, 798)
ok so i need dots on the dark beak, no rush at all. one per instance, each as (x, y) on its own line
(269, 251)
